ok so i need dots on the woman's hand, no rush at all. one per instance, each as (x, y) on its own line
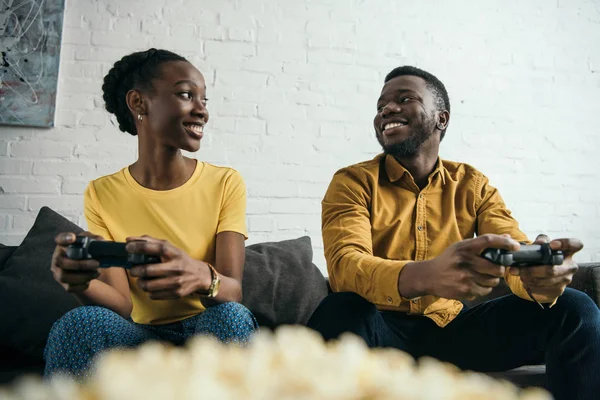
(178, 275)
(73, 275)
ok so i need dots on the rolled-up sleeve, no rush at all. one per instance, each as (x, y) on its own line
(347, 239)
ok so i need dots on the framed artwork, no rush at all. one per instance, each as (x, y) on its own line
(30, 38)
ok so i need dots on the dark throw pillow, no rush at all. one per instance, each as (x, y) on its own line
(5, 253)
(281, 285)
(30, 299)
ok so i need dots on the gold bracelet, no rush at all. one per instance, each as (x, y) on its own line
(215, 283)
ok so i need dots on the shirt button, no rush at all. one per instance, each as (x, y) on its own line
(421, 196)
(420, 227)
(389, 300)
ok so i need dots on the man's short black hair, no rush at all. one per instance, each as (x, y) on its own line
(437, 88)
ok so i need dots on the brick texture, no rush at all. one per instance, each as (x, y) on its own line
(293, 86)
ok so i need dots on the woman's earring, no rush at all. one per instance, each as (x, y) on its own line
(440, 126)
(140, 117)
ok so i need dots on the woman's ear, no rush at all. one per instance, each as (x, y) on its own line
(135, 102)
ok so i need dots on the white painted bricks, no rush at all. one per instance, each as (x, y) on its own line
(293, 86)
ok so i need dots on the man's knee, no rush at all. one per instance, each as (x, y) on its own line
(345, 302)
(577, 307)
(342, 312)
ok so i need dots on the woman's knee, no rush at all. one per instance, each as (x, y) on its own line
(231, 311)
(230, 322)
(82, 322)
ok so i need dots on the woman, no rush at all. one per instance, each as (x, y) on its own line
(189, 213)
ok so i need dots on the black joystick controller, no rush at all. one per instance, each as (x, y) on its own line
(527, 256)
(108, 254)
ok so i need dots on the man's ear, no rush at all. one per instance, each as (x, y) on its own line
(135, 102)
(443, 120)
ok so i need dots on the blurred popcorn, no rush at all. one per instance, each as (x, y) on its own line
(293, 363)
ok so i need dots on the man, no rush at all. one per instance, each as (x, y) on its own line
(399, 242)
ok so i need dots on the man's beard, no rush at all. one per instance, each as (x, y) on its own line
(410, 146)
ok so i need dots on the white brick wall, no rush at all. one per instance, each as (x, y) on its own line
(293, 85)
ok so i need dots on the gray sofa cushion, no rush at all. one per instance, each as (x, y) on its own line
(587, 279)
(281, 284)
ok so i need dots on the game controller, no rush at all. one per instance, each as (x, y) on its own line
(528, 255)
(108, 254)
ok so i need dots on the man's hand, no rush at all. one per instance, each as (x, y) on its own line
(547, 282)
(178, 275)
(459, 272)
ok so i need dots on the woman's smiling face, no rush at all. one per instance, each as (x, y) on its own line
(176, 106)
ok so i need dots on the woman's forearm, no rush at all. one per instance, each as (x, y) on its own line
(104, 295)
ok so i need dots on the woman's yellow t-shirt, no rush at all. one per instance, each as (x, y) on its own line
(213, 200)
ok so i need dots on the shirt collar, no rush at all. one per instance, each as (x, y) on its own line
(395, 170)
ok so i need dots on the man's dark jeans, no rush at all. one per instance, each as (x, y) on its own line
(501, 334)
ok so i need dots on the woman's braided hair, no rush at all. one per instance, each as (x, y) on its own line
(134, 71)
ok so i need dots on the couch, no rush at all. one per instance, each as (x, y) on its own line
(281, 286)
